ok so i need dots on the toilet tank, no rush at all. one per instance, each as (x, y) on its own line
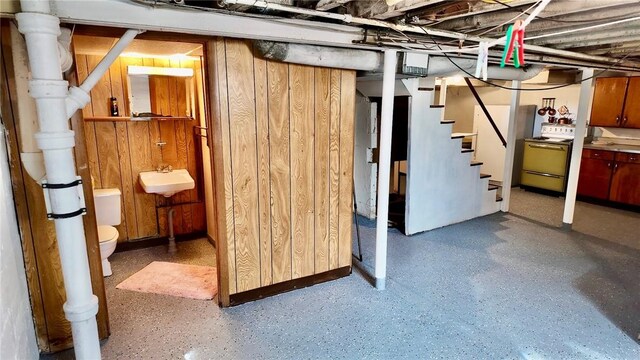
(107, 203)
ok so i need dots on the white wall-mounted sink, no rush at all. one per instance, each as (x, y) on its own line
(166, 183)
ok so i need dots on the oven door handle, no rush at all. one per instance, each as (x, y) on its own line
(550, 147)
(543, 174)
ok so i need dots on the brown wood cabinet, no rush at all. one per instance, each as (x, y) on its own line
(625, 182)
(616, 102)
(595, 174)
(609, 175)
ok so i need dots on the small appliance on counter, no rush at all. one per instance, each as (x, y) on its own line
(546, 158)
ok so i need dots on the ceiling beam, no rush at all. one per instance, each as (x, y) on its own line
(399, 8)
(594, 42)
(578, 10)
(476, 9)
(325, 5)
(605, 34)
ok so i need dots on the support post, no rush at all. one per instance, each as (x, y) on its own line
(584, 106)
(384, 169)
(510, 150)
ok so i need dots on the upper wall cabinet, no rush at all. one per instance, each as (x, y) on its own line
(616, 102)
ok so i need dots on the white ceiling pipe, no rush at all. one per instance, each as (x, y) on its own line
(79, 96)
(56, 141)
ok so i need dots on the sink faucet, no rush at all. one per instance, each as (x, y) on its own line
(164, 168)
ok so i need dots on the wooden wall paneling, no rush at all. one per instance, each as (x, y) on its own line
(199, 211)
(278, 102)
(154, 129)
(321, 161)
(89, 126)
(221, 169)
(101, 92)
(140, 152)
(198, 217)
(301, 83)
(50, 268)
(9, 119)
(347, 103)
(334, 169)
(264, 180)
(242, 119)
(106, 139)
(124, 156)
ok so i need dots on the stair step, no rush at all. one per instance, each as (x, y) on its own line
(466, 151)
(476, 163)
(493, 187)
(447, 121)
(484, 176)
(457, 136)
(425, 89)
(498, 198)
(436, 106)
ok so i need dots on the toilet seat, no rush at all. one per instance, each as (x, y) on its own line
(107, 233)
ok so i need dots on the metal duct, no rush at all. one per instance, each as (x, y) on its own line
(371, 61)
(442, 66)
(321, 55)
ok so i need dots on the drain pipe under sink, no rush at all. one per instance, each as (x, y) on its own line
(56, 140)
(172, 239)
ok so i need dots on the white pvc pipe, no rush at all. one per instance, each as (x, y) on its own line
(584, 107)
(56, 142)
(108, 59)
(384, 167)
(511, 146)
(79, 96)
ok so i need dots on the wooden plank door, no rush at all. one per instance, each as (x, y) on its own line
(631, 117)
(608, 100)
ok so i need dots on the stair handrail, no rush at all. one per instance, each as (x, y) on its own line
(486, 112)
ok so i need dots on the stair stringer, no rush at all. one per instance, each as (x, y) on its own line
(442, 187)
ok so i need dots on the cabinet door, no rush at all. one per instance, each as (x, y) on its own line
(625, 183)
(594, 178)
(631, 117)
(608, 100)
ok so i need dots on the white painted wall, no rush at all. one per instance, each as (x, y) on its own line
(365, 172)
(17, 334)
(460, 101)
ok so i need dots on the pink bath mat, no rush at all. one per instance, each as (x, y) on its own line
(189, 281)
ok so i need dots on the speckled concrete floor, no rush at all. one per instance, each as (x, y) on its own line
(508, 286)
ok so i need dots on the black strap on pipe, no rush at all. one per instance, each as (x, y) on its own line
(486, 112)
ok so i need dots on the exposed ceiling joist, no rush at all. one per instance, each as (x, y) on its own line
(324, 5)
(577, 39)
(380, 10)
(579, 10)
(597, 41)
(477, 8)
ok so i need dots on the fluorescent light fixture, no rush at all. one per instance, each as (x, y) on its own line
(166, 71)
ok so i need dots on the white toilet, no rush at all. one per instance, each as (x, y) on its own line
(107, 203)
